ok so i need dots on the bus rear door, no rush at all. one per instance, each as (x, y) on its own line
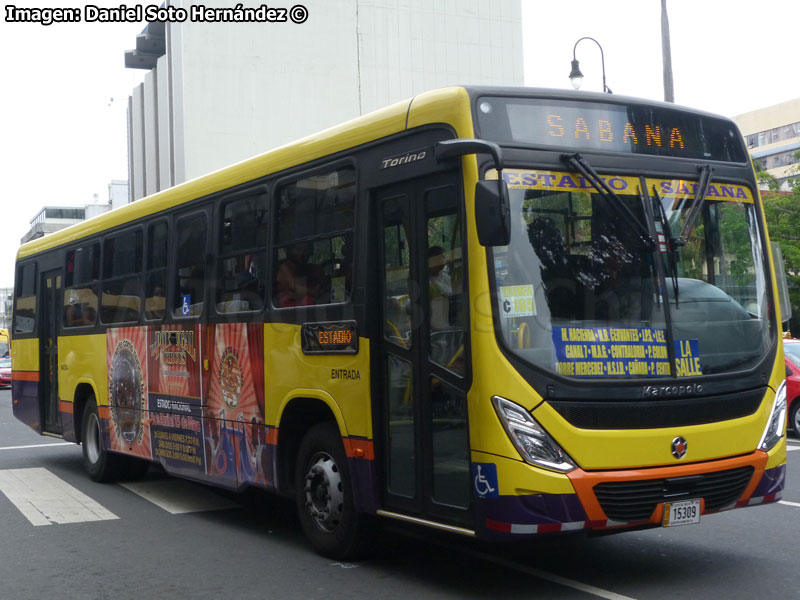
(51, 286)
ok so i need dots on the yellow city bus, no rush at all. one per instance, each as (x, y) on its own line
(497, 312)
(5, 342)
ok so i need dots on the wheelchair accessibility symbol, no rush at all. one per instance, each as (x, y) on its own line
(484, 477)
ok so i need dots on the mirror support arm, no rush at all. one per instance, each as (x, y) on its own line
(459, 147)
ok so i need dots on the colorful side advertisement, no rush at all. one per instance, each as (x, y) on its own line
(174, 395)
(188, 397)
(621, 352)
(236, 436)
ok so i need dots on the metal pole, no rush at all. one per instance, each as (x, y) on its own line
(666, 54)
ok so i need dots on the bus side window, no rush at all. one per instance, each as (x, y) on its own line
(80, 294)
(25, 299)
(241, 269)
(121, 300)
(314, 242)
(155, 280)
(191, 266)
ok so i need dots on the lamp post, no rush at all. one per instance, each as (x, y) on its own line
(576, 77)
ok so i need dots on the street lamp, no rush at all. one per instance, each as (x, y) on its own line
(576, 77)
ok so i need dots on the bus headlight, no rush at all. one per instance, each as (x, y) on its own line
(529, 438)
(777, 420)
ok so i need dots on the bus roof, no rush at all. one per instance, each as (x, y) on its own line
(448, 105)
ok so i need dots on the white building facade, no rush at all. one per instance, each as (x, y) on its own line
(217, 93)
(773, 138)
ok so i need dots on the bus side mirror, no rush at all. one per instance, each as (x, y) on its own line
(492, 213)
(783, 287)
(491, 197)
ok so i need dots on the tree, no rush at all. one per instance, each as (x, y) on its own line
(782, 212)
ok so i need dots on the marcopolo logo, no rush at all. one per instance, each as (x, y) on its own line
(679, 447)
(658, 391)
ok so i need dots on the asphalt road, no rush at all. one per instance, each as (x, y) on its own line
(169, 539)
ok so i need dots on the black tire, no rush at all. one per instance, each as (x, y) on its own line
(794, 417)
(101, 464)
(324, 496)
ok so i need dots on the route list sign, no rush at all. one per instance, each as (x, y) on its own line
(621, 352)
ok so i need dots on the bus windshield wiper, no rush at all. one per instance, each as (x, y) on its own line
(577, 162)
(697, 203)
(670, 242)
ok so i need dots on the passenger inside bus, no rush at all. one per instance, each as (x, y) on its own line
(439, 288)
(77, 313)
(241, 283)
(295, 281)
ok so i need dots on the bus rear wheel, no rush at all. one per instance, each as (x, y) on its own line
(101, 464)
(324, 496)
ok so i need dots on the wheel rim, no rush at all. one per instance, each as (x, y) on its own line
(324, 495)
(92, 439)
(796, 420)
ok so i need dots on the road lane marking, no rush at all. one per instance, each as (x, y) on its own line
(547, 576)
(790, 448)
(570, 583)
(44, 498)
(787, 503)
(36, 446)
(178, 496)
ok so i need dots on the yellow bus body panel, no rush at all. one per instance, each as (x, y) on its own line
(26, 355)
(339, 380)
(517, 478)
(603, 449)
(83, 359)
(448, 105)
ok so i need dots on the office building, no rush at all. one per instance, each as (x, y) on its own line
(773, 138)
(219, 92)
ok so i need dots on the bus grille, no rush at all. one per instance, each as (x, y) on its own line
(658, 412)
(636, 500)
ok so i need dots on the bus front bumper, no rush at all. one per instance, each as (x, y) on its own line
(606, 501)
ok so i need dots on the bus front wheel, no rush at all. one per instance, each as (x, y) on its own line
(324, 495)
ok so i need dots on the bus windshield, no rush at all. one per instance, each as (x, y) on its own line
(581, 292)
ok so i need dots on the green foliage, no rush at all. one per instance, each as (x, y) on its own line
(782, 212)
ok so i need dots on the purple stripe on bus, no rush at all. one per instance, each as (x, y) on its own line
(771, 482)
(26, 402)
(68, 426)
(533, 509)
(365, 484)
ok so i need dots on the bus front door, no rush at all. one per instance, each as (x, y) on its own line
(423, 435)
(48, 351)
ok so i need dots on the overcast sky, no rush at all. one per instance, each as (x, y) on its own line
(62, 110)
